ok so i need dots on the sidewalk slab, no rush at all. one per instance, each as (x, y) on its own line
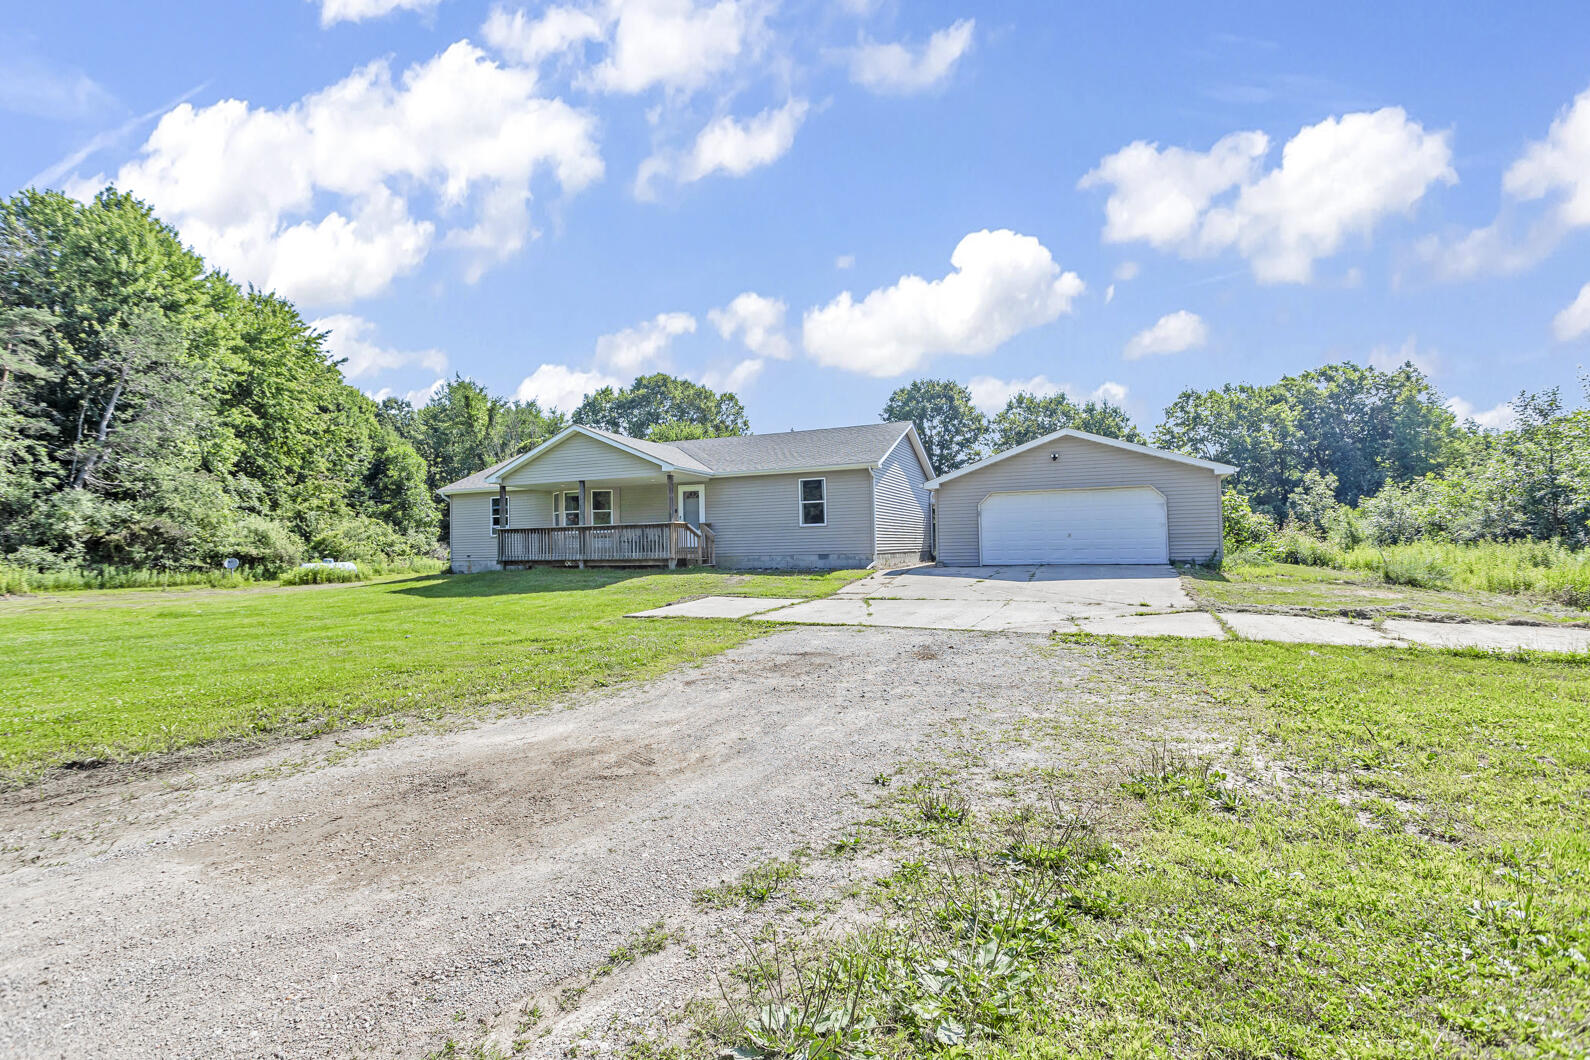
(1490, 636)
(1293, 629)
(923, 614)
(1197, 624)
(717, 607)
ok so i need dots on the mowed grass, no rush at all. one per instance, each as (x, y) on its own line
(1389, 857)
(1266, 584)
(1406, 870)
(105, 676)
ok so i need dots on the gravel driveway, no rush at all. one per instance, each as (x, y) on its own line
(420, 890)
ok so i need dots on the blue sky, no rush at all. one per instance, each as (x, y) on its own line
(1136, 198)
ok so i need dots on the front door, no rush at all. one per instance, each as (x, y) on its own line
(692, 504)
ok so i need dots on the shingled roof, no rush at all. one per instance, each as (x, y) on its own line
(864, 445)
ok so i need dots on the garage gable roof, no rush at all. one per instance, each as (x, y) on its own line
(1219, 469)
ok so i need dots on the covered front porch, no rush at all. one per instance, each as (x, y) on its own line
(631, 520)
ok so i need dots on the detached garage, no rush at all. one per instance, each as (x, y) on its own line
(1073, 497)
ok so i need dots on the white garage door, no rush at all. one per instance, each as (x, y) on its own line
(1074, 526)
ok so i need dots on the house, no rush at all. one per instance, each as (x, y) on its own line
(1074, 497)
(843, 497)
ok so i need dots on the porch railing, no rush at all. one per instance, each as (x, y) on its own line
(682, 543)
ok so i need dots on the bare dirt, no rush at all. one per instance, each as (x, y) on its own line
(437, 886)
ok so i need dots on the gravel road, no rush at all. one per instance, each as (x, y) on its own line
(425, 889)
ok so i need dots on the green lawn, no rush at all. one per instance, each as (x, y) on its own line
(1240, 585)
(1390, 856)
(117, 674)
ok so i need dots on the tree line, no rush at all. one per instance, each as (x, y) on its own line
(154, 414)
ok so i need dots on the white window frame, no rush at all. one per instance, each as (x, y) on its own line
(801, 502)
(679, 499)
(558, 513)
(499, 514)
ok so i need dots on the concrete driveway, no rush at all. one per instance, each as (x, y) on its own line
(1028, 598)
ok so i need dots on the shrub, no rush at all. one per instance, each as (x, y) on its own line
(321, 575)
(1291, 546)
(1313, 504)
(264, 545)
(1246, 529)
(359, 539)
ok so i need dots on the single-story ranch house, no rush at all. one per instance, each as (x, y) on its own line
(835, 498)
(845, 497)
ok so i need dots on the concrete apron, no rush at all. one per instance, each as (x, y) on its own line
(1028, 616)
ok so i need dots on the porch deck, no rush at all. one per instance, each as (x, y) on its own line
(675, 544)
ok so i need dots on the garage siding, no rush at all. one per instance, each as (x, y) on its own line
(1192, 494)
(578, 457)
(903, 505)
(756, 518)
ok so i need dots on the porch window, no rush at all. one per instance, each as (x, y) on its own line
(814, 501)
(566, 507)
(499, 515)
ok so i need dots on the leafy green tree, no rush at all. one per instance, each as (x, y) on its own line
(148, 406)
(1313, 504)
(675, 431)
(1026, 417)
(653, 400)
(1363, 425)
(949, 425)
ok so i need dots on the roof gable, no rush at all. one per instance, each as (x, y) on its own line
(1217, 468)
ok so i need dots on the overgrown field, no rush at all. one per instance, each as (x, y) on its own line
(107, 676)
(1389, 857)
(1264, 584)
(1525, 568)
(16, 580)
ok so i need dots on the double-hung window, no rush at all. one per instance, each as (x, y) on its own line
(814, 501)
(499, 515)
(566, 507)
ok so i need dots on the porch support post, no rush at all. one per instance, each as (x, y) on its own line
(673, 517)
(502, 508)
(585, 519)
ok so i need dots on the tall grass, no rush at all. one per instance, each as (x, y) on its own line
(1520, 568)
(16, 580)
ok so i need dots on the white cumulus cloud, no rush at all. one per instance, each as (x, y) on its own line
(557, 386)
(1388, 359)
(737, 377)
(1497, 418)
(351, 339)
(991, 394)
(1574, 320)
(334, 11)
(1338, 178)
(755, 320)
(674, 44)
(1003, 284)
(531, 41)
(899, 69)
(1558, 166)
(315, 199)
(645, 343)
(1556, 169)
(1172, 333)
(728, 146)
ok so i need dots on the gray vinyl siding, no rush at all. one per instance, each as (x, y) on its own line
(473, 545)
(902, 503)
(757, 521)
(1192, 494)
(578, 457)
